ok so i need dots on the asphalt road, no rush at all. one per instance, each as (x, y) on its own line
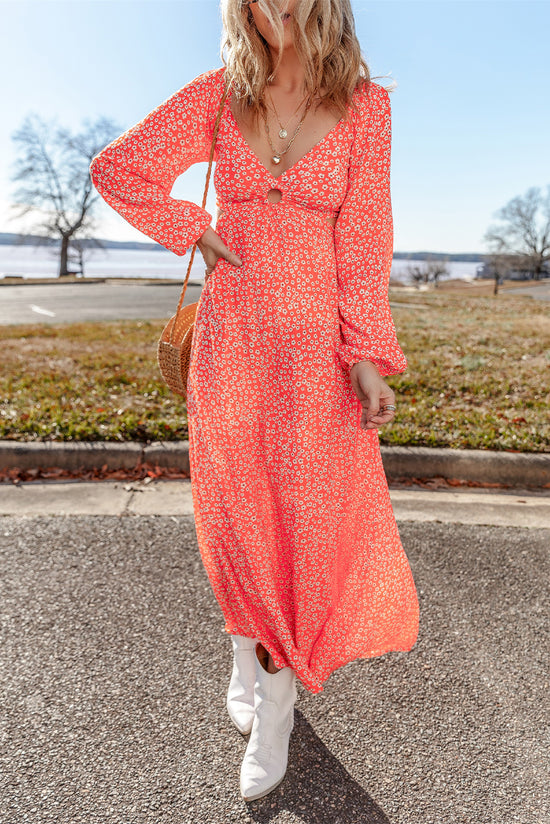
(539, 292)
(116, 300)
(66, 302)
(114, 667)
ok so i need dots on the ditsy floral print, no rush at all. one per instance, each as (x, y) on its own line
(292, 510)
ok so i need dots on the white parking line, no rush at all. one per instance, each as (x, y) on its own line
(40, 311)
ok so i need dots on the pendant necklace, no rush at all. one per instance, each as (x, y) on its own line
(283, 130)
(277, 155)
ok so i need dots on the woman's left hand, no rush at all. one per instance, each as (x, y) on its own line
(374, 394)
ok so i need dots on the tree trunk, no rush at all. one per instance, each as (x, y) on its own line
(63, 257)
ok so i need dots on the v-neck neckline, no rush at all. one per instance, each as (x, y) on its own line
(253, 154)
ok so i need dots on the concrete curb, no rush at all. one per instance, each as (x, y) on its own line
(78, 455)
(107, 279)
(521, 470)
(47, 281)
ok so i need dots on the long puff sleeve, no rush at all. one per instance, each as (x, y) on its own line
(136, 172)
(363, 238)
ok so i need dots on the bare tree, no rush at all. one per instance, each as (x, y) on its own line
(416, 273)
(429, 270)
(524, 231)
(53, 172)
(80, 249)
(500, 263)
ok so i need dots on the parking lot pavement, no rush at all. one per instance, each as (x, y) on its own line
(114, 667)
(538, 291)
(73, 302)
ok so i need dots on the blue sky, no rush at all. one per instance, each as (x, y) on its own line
(470, 114)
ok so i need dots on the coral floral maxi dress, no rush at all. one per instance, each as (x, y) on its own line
(292, 511)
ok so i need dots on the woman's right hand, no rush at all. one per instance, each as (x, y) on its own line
(212, 249)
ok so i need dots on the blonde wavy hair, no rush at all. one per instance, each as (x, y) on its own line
(324, 38)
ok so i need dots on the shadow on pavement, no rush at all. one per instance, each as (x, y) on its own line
(317, 789)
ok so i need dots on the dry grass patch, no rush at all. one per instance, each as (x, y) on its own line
(86, 381)
(477, 377)
(478, 373)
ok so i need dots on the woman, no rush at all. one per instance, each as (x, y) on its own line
(292, 340)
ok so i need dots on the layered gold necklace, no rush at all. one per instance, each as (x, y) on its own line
(283, 133)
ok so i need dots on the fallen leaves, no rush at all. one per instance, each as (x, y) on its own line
(142, 472)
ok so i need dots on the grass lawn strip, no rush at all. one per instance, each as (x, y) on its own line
(477, 377)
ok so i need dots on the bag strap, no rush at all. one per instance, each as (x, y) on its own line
(204, 197)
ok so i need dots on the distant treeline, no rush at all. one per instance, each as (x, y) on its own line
(470, 257)
(13, 239)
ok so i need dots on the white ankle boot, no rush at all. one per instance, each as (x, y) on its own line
(266, 757)
(240, 695)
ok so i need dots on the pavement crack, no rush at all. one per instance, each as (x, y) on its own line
(127, 503)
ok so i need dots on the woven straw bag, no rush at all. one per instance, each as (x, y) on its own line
(174, 345)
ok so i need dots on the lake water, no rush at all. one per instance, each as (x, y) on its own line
(28, 261)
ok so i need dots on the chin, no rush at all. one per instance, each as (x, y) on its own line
(287, 41)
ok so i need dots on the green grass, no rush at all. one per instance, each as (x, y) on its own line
(477, 378)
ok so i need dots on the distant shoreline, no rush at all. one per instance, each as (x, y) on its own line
(13, 239)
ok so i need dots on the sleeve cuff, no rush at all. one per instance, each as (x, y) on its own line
(389, 365)
(197, 223)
